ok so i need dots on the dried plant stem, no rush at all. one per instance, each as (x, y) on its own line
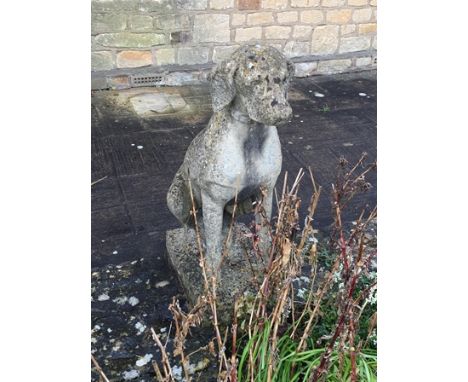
(99, 369)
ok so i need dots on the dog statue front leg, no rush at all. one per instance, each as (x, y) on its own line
(213, 227)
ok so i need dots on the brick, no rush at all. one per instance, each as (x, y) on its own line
(302, 32)
(248, 34)
(165, 56)
(172, 22)
(347, 29)
(244, 5)
(367, 28)
(363, 61)
(339, 16)
(325, 39)
(130, 40)
(357, 3)
(354, 44)
(101, 23)
(362, 15)
(304, 3)
(221, 4)
(221, 53)
(277, 32)
(287, 17)
(189, 4)
(211, 28)
(304, 69)
(312, 17)
(101, 61)
(259, 18)
(296, 49)
(134, 59)
(195, 55)
(140, 22)
(274, 4)
(333, 66)
(332, 3)
(237, 19)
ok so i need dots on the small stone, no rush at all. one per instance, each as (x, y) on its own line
(103, 297)
(139, 147)
(115, 252)
(133, 300)
(132, 374)
(362, 94)
(144, 360)
(319, 95)
(140, 327)
(162, 284)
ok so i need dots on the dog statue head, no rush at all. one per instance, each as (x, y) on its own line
(258, 78)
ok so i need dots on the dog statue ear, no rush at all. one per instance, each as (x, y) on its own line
(223, 89)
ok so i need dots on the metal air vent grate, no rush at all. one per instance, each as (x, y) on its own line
(146, 80)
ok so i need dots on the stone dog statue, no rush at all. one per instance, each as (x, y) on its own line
(239, 151)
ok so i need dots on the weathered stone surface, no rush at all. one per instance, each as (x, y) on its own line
(211, 28)
(130, 40)
(312, 17)
(134, 59)
(193, 55)
(354, 44)
(333, 3)
(325, 39)
(362, 15)
(248, 34)
(305, 69)
(237, 19)
(374, 42)
(191, 4)
(287, 17)
(333, 66)
(118, 82)
(101, 61)
(149, 104)
(221, 53)
(357, 3)
(277, 32)
(302, 32)
(221, 4)
(172, 22)
(244, 5)
(237, 272)
(304, 3)
(274, 4)
(367, 28)
(363, 61)
(259, 18)
(140, 22)
(296, 49)
(165, 56)
(101, 23)
(339, 16)
(373, 3)
(347, 29)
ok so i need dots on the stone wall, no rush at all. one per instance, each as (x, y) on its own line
(189, 36)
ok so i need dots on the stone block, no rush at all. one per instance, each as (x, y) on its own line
(221, 4)
(101, 61)
(172, 22)
(244, 5)
(347, 29)
(304, 3)
(362, 15)
(140, 22)
(211, 28)
(165, 56)
(339, 16)
(312, 17)
(259, 18)
(152, 103)
(287, 17)
(363, 61)
(238, 19)
(325, 39)
(277, 32)
(296, 49)
(274, 4)
(373, 3)
(108, 22)
(354, 44)
(367, 28)
(357, 3)
(333, 3)
(180, 37)
(248, 34)
(304, 69)
(193, 55)
(302, 32)
(134, 59)
(333, 66)
(221, 53)
(119, 82)
(130, 40)
(191, 4)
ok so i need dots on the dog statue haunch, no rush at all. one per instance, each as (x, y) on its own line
(239, 152)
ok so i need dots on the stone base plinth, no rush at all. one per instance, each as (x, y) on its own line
(240, 270)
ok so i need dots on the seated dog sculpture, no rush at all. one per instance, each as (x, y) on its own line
(239, 152)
